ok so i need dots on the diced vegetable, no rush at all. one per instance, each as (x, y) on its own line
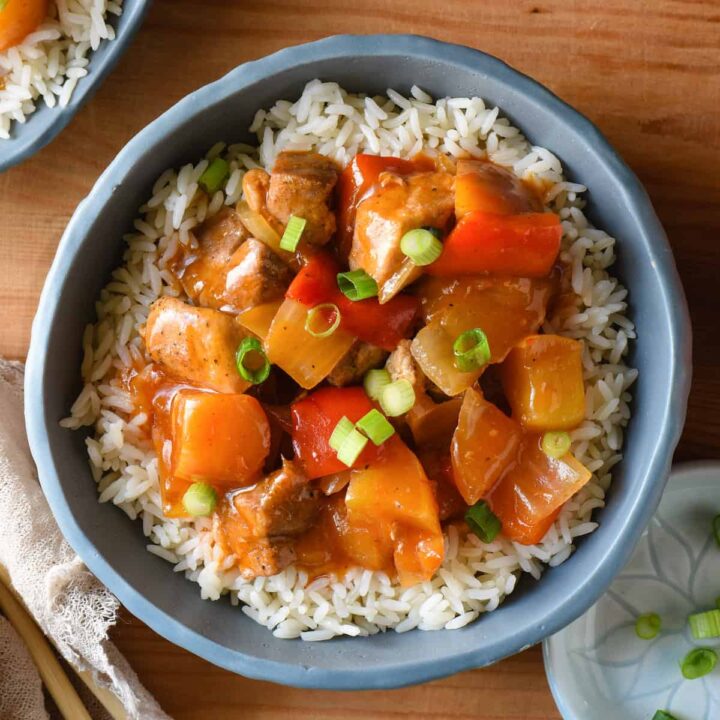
(433, 424)
(421, 245)
(316, 416)
(535, 488)
(393, 491)
(507, 309)
(381, 325)
(705, 625)
(482, 521)
(323, 320)
(663, 715)
(375, 426)
(200, 499)
(397, 398)
(698, 663)
(293, 232)
(18, 18)
(543, 382)
(648, 626)
(484, 446)
(375, 381)
(259, 318)
(307, 359)
(523, 245)
(343, 428)
(357, 285)
(214, 176)
(220, 438)
(486, 187)
(251, 361)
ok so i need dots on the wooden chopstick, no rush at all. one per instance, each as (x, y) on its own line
(51, 672)
(110, 702)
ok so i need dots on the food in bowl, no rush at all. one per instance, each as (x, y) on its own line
(363, 375)
(44, 47)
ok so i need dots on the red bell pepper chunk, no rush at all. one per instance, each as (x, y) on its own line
(358, 180)
(382, 325)
(525, 245)
(313, 420)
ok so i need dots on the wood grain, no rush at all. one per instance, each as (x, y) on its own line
(646, 71)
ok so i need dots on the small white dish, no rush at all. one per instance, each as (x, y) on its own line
(598, 668)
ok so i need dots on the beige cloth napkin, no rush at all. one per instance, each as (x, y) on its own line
(70, 605)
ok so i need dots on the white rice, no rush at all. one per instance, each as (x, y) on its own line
(474, 577)
(50, 62)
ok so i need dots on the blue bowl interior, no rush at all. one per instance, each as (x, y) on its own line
(45, 123)
(113, 547)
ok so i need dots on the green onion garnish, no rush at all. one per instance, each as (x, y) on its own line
(293, 232)
(259, 368)
(421, 246)
(705, 625)
(322, 320)
(483, 521)
(353, 444)
(698, 663)
(199, 499)
(214, 176)
(471, 350)
(340, 432)
(374, 382)
(375, 426)
(556, 444)
(648, 626)
(663, 715)
(357, 285)
(716, 529)
(397, 398)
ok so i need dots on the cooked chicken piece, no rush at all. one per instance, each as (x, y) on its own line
(256, 523)
(402, 366)
(256, 275)
(401, 203)
(195, 344)
(360, 358)
(301, 184)
(255, 184)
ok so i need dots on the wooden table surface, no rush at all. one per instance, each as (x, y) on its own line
(647, 72)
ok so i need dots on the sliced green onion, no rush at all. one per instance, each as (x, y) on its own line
(556, 444)
(648, 626)
(200, 499)
(421, 246)
(375, 426)
(663, 715)
(357, 285)
(214, 176)
(259, 368)
(318, 315)
(483, 521)
(397, 398)
(374, 382)
(471, 350)
(293, 232)
(351, 447)
(705, 625)
(698, 663)
(340, 432)
(716, 529)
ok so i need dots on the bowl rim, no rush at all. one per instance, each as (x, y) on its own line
(653, 478)
(29, 139)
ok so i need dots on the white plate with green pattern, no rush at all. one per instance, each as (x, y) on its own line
(598, 667)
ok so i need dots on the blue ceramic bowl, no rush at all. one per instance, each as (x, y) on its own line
(45, 123)
(114, 548)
